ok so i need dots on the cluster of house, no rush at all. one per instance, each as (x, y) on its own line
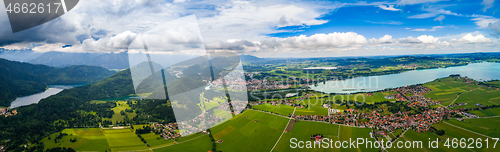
(234, 81)
(167, 131)
(6, 112)
(199, 123)
(401, 120)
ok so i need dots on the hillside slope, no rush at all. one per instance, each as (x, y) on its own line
(21, 79)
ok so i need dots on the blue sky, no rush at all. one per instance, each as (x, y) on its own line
(279, 28)
(372, 21)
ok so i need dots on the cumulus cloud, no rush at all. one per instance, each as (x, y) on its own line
(384, 39)
(428, 39)
(388, 7)
(474, 39)
(302, 42)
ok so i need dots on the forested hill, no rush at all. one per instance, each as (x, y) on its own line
(21, 79)
(117, 85)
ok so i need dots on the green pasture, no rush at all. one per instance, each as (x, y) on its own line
(121, 105)
(244, 134)
(303, 130)
(486, 112)
(281, 109)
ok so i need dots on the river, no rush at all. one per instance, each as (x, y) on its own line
(477, 71)
(35, 98)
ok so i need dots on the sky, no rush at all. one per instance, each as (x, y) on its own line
(298, 28)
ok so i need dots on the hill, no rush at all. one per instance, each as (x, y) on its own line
(21, 79)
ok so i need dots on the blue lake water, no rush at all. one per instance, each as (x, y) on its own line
(35, 98)
(477, 71)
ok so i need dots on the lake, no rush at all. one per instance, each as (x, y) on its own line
(35, 98)
(477, 71)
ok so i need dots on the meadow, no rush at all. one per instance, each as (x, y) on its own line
(486, 112)
(96, 139)
(447, 89)
(450, 133)
(280, 109)
(485, 126)
(120, 105)
(242, 133)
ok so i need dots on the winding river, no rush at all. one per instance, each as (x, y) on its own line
(477, 71)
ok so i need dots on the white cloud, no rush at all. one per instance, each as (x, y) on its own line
(475, 39)
(384, 39)
(302, 42)
(428, 39)
(388, 7)
(487, 4)
(485, 21)
(247, 20)
(434, 28)
(434, 11)
(439, 18)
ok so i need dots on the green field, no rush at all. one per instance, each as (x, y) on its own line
(196, 142)
(95, 139)
(447, 89)
(303, 130)
(244, 134)
(120, 105)
(280, 109)
(486, 112)
(451, 132)
(485, 126)
(311, 111)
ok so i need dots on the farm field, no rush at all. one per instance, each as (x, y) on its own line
(280, 109)
(486, 112)
(451, 132)
(484, 96)
(311, 111)
(447, 89)
(195, 142)
(485, 126)
(244, 134)
(120, 105)
(303, 130)
(95, 139)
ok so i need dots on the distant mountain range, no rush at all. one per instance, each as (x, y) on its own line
(21, 79)
(106, 60)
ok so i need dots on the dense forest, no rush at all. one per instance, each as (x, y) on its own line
(21, 79)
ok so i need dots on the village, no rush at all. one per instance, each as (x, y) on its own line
(7, 112)
(420, 122)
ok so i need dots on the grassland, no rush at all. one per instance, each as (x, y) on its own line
(244, 134)
(447, 90)
(485, 126)
(311, 111)
(486, 112)
(280, 109)
(120, 105)
(451, 132)
(303, 130)
(95, 139)
(196, 142)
